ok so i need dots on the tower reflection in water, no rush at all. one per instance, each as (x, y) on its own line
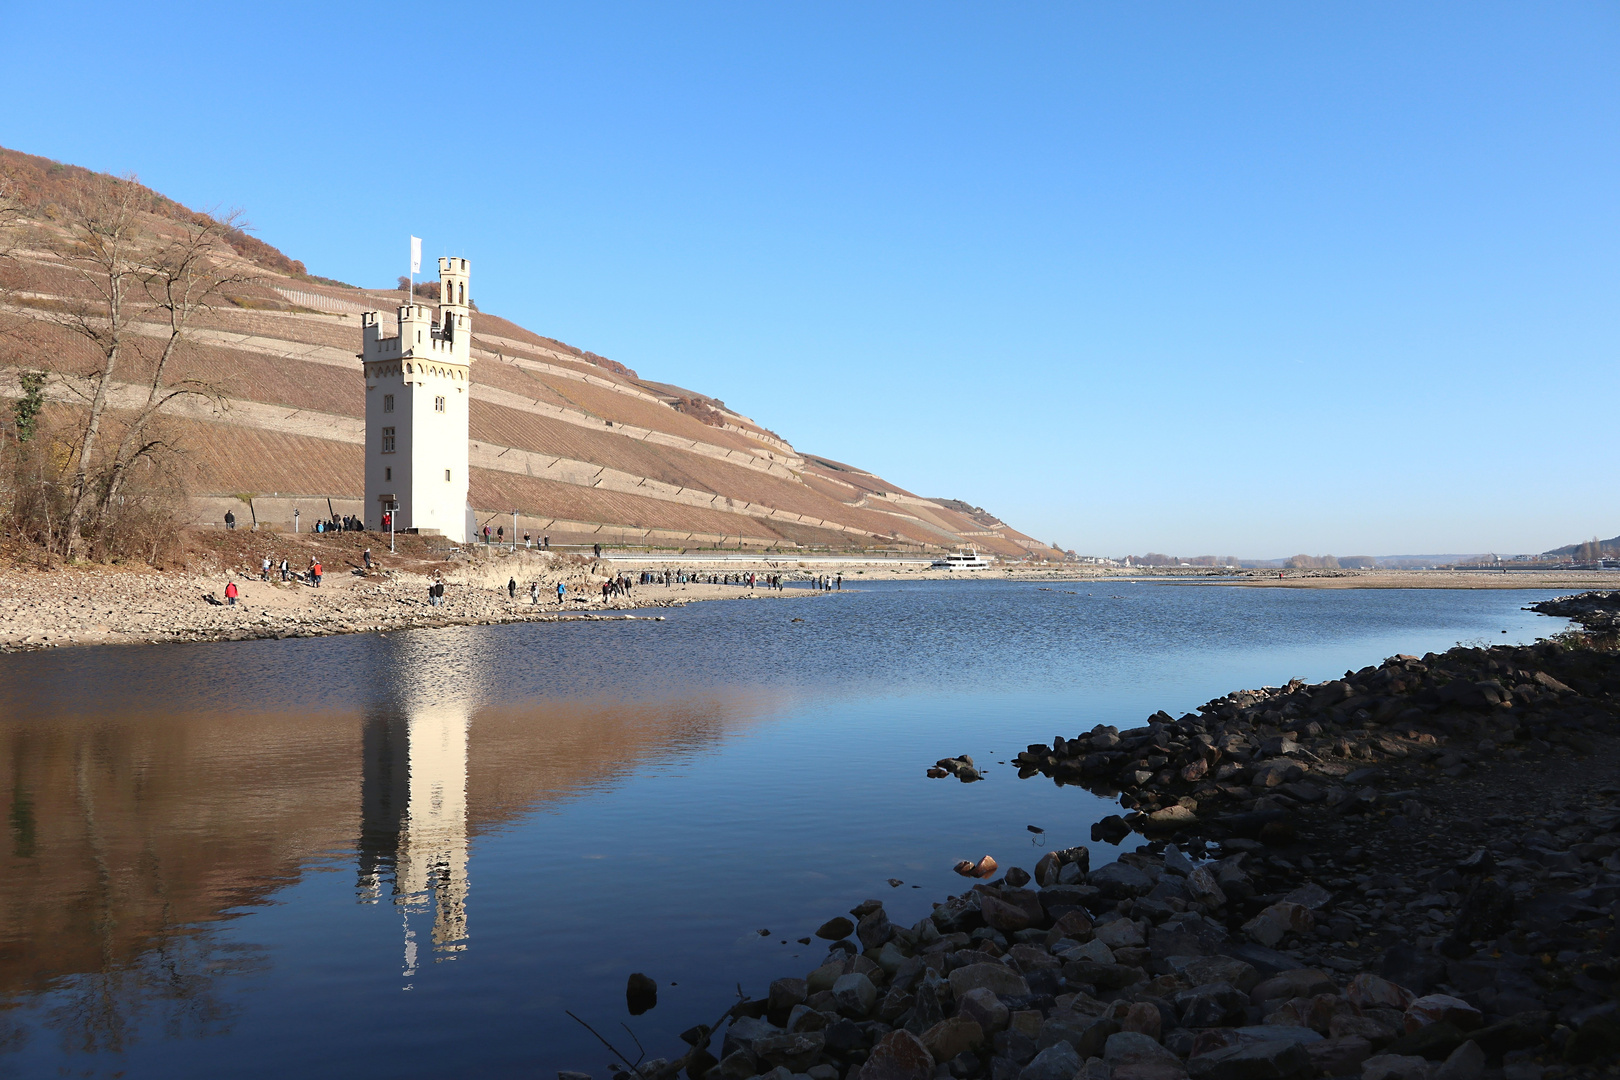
(413, 824)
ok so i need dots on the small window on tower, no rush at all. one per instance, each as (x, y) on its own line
(388, 473)
(447, 476)
(438, 404)
(388, 403)
(388, 440)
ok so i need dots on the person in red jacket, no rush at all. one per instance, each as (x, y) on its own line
(315, 572)
(230, 593)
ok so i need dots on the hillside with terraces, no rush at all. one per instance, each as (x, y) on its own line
(581, 447)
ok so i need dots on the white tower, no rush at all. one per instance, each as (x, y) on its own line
(417, 389)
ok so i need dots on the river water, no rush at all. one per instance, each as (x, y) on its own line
(407, 855)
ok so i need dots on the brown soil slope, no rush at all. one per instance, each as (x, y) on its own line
(582, 447)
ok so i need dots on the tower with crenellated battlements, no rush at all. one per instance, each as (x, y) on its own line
(417, 391)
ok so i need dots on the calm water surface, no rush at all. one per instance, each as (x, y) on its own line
(406, 855)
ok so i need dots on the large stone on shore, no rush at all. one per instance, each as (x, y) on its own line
(1369, 991)
(798, 1050)
(824, 976)
(1120, 881)
(1270, 1060)
(1071, 924)
(1219, 969)
(784, 994)
(1339, 1056)
(999, 979)
(1169, 819)
(1103, 976)
(1186, 935)
(899, 1055)
(984, 1008)
(1058, 1062)
(1277, 1033)
(1144, 1017)
(835, 929)
(1204, 888)
(1002, 916)
(1278, 921)
(744, 1032)
(1377, 1033)
(1119, 934)
(1095, 951)
(1438, 1008)
(1467, 1062)
(874, 929)
(1300, 982)
(855, 995)
(953, 1036)
(1395, 1067)
(1212, 1005)
(1133, 1056)
(1275, 773)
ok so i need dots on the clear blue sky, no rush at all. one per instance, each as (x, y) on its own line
(1249, 279)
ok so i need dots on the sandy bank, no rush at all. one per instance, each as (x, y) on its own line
(106, 606)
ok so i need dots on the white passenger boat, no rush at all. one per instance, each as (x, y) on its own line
(962, 560)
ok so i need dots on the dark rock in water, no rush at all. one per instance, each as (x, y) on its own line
(1017, 877)
(835, 929)
(640, 994)
(1110, 830)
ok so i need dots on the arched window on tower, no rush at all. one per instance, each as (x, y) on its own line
(461, 292)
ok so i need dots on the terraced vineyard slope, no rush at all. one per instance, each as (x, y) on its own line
(581, 447)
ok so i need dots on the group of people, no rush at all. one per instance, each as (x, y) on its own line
(346, 523)
(668, 577)
(618, 585)
(436, 591)
(498, 537)
(269, 565)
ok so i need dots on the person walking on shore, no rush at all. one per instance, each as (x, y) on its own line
(368, 558)
(264, 569)
(285, 573)
(511, 588)
(840, 582)
(230, 520)
(230, 593)
(561, 588)
(525, 539)
(315, 571)
(534, 592)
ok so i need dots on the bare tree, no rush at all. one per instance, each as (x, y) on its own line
(127, 275)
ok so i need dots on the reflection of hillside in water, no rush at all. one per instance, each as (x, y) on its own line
(127, 832)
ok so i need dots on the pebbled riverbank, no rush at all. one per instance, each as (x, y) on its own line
(1411, 872)
(41, 609)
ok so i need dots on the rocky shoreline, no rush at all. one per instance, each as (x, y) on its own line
(1409, 873)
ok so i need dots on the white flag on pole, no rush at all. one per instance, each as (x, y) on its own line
(416, 254)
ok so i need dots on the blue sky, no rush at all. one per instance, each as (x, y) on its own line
(1249, 279)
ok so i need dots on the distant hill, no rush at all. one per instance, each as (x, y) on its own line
(1610, 546)
(579, 445)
